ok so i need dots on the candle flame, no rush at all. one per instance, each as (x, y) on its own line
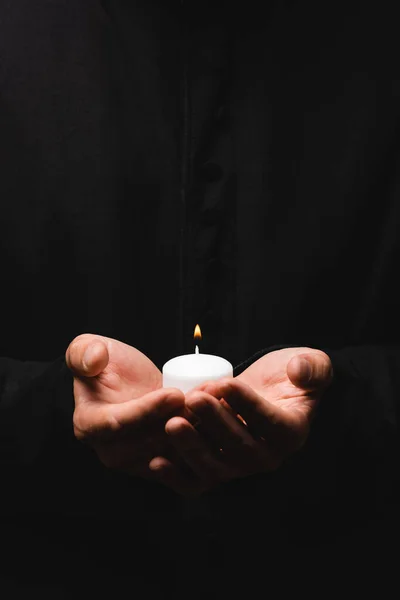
(197, 333)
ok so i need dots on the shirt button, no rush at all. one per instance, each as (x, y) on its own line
(211, 172)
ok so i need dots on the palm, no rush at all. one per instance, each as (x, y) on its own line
(129, 374)
(274, 380)
(120, 405)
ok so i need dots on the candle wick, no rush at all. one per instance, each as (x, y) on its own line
(196, 350)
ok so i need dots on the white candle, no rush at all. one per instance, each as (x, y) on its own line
(189, 370)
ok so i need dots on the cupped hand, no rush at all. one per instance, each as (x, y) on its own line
(120, 407)
(248, 424)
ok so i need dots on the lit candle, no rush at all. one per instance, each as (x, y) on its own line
(189, 370)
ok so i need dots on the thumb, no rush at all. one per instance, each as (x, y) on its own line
(87, 356)
(311, 371)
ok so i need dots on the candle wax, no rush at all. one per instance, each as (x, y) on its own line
(189, 370)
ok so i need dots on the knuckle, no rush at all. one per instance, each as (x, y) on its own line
(199, 402)
(163, 409)
(168, 405)
(195, 396)
(81, 429)
(98, 423)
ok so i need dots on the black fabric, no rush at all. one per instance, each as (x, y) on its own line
(168, 163)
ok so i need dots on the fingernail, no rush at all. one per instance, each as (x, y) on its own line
(87, 356)
(305, 369)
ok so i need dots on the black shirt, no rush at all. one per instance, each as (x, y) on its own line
(171, 163)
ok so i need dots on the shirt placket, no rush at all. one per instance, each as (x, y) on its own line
(207, 248)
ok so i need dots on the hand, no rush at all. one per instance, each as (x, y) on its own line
(248, 424)
(120, 407)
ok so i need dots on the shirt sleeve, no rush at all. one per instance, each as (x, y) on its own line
(350, 465)
(357, 425)
(36, 409)
(41, 462)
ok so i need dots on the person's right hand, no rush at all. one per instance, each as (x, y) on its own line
(120, 407)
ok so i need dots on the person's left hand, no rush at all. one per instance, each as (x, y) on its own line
(248, 424)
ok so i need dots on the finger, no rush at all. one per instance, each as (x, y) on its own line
(181, 482)
(139, 416)
(264, 419)
(130, 452)
(310, 371)
(213, 388)
(196, 452)
(152, 408)
(230, 434)
(220, 424)
(87, 356)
